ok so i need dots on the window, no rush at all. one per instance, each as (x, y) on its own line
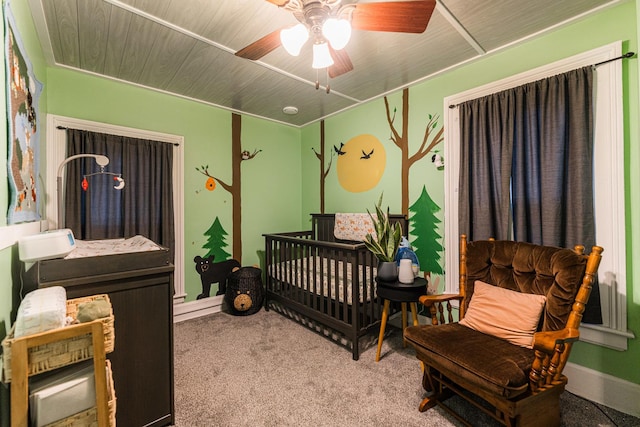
(608, 172)
(56, 153)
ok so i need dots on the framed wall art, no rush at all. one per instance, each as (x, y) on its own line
(23, 128)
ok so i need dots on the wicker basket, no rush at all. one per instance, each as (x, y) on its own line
(245, 292)
(89, 417)
(65, 352)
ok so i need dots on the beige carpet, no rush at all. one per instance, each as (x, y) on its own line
(266, 370)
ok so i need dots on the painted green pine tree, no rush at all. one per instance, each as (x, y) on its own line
(424, 224)
(216, 242)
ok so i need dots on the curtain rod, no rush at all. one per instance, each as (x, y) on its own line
(624, 56)
(175, 144)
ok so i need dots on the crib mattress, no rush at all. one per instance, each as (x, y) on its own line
(320, 276)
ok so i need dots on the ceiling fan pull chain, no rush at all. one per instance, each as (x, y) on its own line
(327, 75)
(317, 79)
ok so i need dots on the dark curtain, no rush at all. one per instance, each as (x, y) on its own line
(485, 165)
(526, 165)
(144, 206)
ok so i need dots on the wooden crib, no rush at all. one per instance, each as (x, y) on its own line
(324, 283)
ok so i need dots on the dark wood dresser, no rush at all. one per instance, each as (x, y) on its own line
(140, 286)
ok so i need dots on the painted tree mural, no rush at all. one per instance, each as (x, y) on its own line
(235, 187)
(323, 172)
(424, 224)
(216, 242)
(401, 140)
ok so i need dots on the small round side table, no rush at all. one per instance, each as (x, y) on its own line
(403, 293)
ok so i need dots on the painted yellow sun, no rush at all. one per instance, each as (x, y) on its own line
(362, 164)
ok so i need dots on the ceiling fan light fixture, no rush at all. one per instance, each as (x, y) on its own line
(294, 38)
(337, 32)
(321, 56)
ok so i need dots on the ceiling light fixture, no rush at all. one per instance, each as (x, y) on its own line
(294, 38)
(319, 21)
(290, 109)
(329, 24)
(337, 32)
(321, 56)
(330, 21)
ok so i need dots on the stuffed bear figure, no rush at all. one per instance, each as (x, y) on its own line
(211, 272)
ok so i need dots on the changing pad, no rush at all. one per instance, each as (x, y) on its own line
(90, 248)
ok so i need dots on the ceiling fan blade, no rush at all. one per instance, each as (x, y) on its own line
(261, 47)
(397, 16)
(278, 3)
(341, 62)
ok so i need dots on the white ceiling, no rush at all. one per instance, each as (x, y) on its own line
(186, 47)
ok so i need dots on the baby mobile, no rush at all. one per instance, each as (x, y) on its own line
(117, 178)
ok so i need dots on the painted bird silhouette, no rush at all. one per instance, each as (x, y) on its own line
(365, 155)
(339, 150)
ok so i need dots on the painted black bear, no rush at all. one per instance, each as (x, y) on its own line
(211, 272)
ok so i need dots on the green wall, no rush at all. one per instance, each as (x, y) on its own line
(371, 119)
(618, 23)
(270, 186)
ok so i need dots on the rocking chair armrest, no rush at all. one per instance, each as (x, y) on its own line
(440, 307)
(429, 300)
(547, 341)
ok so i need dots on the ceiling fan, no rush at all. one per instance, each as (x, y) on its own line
(327, 24)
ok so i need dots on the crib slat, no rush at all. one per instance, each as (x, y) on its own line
(314, 269)
(347, 291)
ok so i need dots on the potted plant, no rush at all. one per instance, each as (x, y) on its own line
(384, 245)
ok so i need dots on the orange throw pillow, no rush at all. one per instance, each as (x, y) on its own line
(503, 313)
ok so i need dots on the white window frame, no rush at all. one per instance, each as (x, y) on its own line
(56, 153)
(608, 177)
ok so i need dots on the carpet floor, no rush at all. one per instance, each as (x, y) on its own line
(266, 370)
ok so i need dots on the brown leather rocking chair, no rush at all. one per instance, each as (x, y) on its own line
(520, 307)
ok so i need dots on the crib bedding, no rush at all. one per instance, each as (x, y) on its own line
(321, 275)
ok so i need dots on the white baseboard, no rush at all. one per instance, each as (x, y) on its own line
(178, 298)
(194, 309)
(602, 388)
